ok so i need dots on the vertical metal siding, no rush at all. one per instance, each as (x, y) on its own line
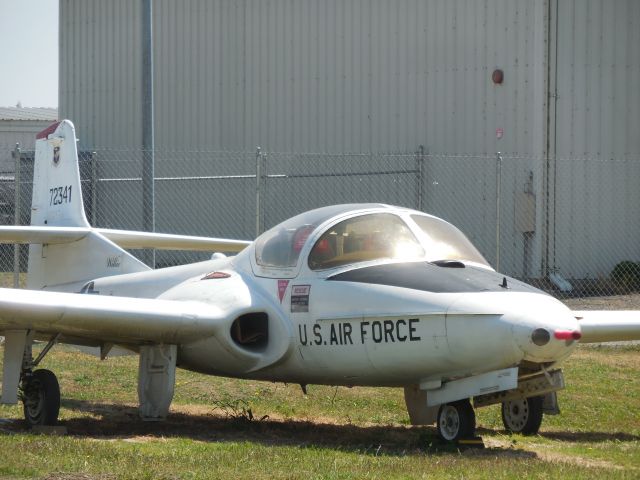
(598, 146)
(336, 76)
(305, 75)
(384, 76)
(100, 70)
(317, 76)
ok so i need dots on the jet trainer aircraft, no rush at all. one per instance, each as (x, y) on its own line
(363, 294)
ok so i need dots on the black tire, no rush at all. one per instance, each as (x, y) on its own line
(41, 398)
(523, 416)
(456, 421)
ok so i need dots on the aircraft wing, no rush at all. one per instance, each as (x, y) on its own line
(119, 320)
(608, 325)
(123, 238)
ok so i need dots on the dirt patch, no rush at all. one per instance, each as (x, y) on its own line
(556, 457)
(79, 476)
(544, 454)
(144, 439)
(613, 302)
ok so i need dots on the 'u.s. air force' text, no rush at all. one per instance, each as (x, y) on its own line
(348, 333)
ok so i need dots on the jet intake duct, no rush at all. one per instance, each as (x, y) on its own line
(251, 331)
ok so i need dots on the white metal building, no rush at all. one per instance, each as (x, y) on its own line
(20, 125)
(387, 76)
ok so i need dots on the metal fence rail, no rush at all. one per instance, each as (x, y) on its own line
(582, 227)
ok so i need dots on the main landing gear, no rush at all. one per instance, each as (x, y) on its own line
(523, 415)
(456, 421)
(39, 389)
(40, 394)
(522, 407)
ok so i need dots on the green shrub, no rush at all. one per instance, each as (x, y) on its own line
(626, 275)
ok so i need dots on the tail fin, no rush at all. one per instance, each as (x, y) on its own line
(57, 202)
(57, 194)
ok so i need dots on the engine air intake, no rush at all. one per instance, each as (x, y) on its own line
(251, 331)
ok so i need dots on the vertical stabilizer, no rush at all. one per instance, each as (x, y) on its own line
(57, 194)
(57, 202)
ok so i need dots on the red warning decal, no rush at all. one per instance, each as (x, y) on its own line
(215, 275)
(282, 288)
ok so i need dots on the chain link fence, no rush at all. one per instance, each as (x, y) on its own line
(570, 229)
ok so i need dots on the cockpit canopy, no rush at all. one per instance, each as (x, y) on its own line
(280, 246)
(384, 234)
(365, 238)
(443, 241)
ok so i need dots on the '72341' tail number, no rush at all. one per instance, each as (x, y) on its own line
(60, 195)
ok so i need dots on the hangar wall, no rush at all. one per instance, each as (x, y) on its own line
(596, 146)
(307, 76)
(100, 71)
(330, 77)
(20, 125)
(352, 76)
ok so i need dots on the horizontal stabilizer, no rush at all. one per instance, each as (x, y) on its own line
(109, 319)
(123, 238)
(165, 241)
(42, 235)
(608, 326)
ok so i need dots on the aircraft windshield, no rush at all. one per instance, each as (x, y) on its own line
(365, 238)
(446, 242)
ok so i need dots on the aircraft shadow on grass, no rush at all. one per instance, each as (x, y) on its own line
(122, 421)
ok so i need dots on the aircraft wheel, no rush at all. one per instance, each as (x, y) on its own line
(41, 398)
(456, 420)
(523, 415)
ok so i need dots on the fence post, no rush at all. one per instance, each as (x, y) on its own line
(258, 188)
(16, 214)
(94, 189)
(149, 200)
(420, 178)
(498, 194)
(148, 132)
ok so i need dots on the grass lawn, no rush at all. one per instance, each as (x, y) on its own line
(329, 433)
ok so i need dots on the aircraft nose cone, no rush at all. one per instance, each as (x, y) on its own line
(547, 331)
(496, 329)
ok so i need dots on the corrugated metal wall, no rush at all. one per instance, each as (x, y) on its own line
(343, 76)
(321, 76)
(306, 75)
(100, 71)
(17, 131)
(387, 76)
(597, 136)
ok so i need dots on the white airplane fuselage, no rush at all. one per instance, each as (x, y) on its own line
(326, 330)
(400, 336)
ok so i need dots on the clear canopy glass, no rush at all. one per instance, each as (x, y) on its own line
(365, 238)
(280, 247)
(446, 242)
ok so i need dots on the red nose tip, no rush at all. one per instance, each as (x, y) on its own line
(567, 335)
